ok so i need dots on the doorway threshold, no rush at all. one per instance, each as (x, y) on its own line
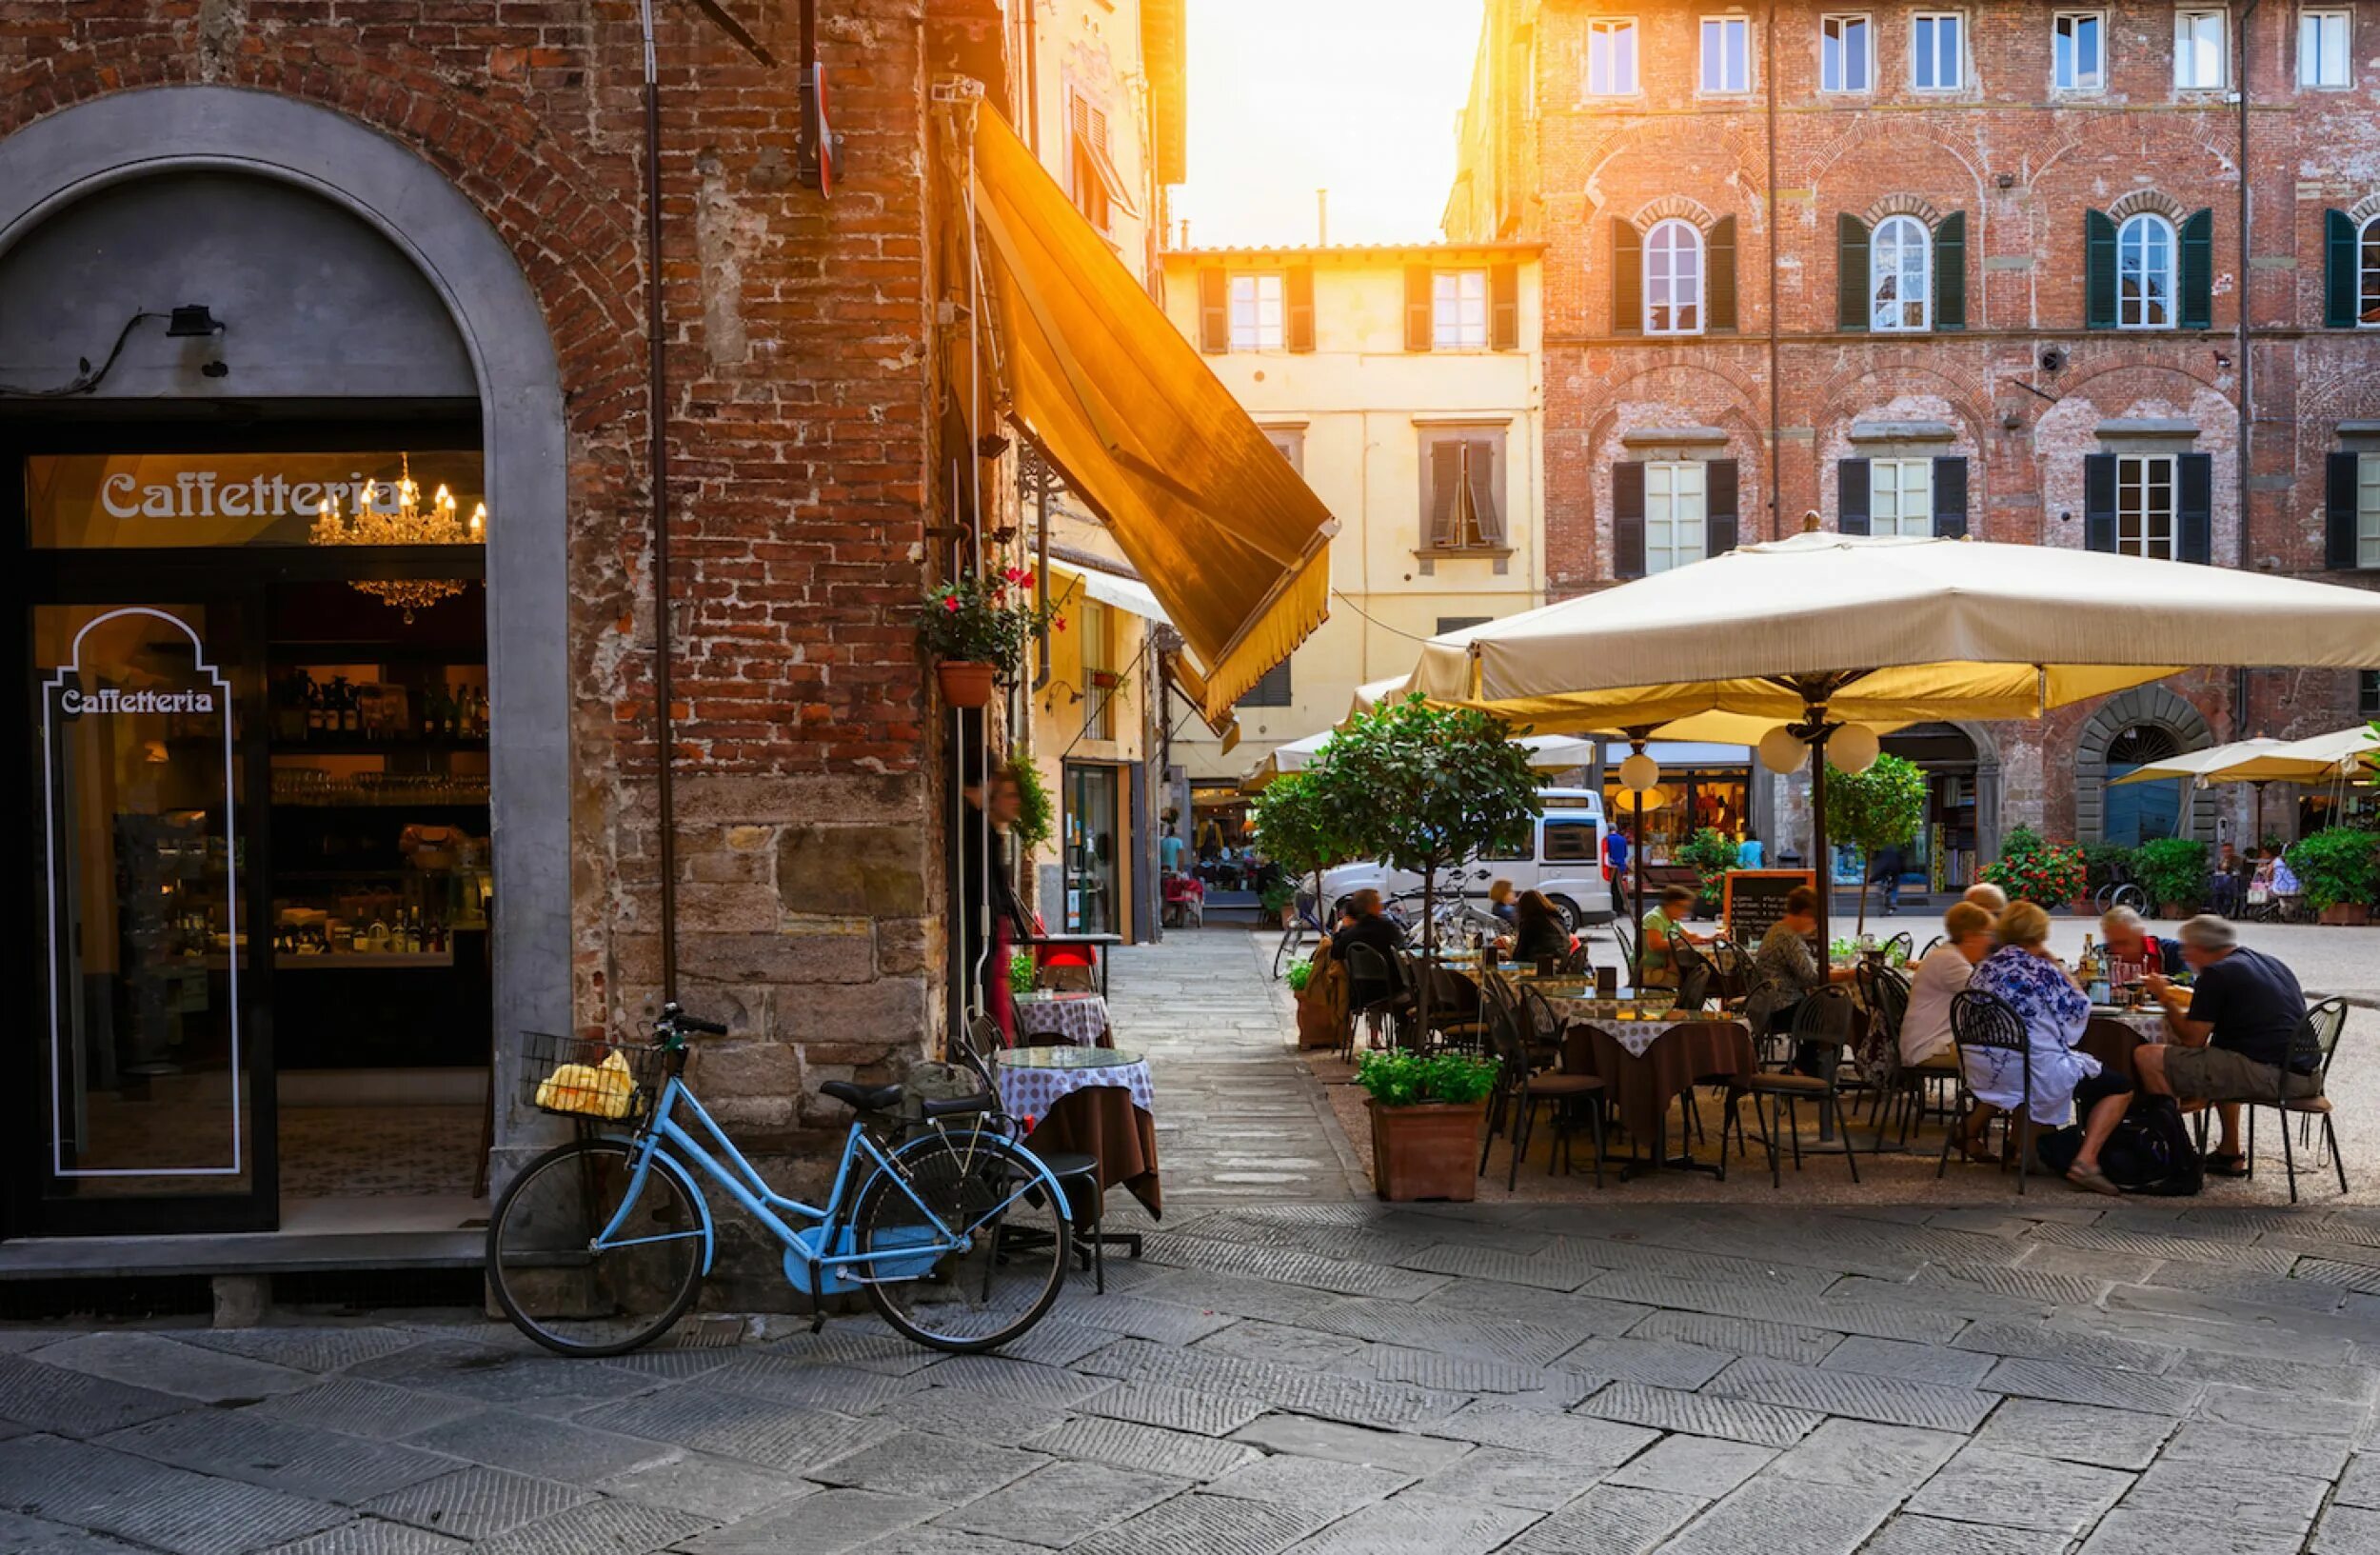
(316, 1236)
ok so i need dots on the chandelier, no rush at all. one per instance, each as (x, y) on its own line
(408, 523)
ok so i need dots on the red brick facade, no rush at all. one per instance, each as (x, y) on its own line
(2021, 164)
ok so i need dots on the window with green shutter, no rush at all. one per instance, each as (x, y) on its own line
(2341, 273)
(1950, 271)
(2098, 273)
(2198, 271)
(1851, 272)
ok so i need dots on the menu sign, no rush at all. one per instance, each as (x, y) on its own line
(1755, 900)
(135, 501)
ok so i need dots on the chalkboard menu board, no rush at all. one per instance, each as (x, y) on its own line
(1755, 900)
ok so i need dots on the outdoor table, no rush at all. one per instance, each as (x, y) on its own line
(1080, 1019)
(1087, 1101)
(2113, 1032)
(1097, 944)
(1655, 1063)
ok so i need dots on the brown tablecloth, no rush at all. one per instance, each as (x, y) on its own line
(1101, 1122)
(1643, 1089)
(2112, 1042)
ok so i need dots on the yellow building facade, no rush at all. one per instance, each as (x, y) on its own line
(1406, 385)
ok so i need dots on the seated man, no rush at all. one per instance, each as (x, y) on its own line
(2228, 885)
(2132, 951)
(1926, 1024)
(2233, 1036)
(1987, 896)
(1368, 925)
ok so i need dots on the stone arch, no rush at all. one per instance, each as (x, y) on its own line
(1904, 205)
(2158, 707)
(1683, 207)
(2364, 210)
(58, 160)
(2154, 202)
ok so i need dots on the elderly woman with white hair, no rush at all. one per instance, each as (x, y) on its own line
(1987, 896)
(2023, 975)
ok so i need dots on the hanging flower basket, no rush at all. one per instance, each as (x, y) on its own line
(966, 683)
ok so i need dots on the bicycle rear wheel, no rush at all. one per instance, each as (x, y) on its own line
(2129, 896)
(561, 1290)
(1013, 1240)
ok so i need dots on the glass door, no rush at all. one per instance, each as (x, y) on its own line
(1091, 847)
(148, 1044)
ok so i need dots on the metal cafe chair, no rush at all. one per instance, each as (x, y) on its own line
(1823, 1025)
(1984, 1021)
(2316, 1044)
(1562, 1089)
(1368, 968)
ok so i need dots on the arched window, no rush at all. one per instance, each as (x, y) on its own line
(2368, 273)
(2144, 273)
(1900, 294)
(1673, 279)
(2136, 812)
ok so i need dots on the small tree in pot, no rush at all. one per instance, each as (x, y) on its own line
(1426, 1113)
(1298, 827)
(2172, 870)
(1880, 807)
(2339, 872)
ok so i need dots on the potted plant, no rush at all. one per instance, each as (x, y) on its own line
(1426, 1113)
(977, 626)
(1710, 855)
(2172, 870)
(1880, 807)
(2032, 868)
(2339, 872)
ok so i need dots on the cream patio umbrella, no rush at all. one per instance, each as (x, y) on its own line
(1547, 753)
(2337, 757)
(1823, 630)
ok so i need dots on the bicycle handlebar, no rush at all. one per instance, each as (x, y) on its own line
(675, 1020)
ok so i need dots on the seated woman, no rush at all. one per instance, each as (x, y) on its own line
(2023, 974)
(1663, 924)
(1789, 970)
(1502, 900)
(1538, 930)
(1941, 977)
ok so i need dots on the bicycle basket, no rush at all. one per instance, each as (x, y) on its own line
(576, 1076)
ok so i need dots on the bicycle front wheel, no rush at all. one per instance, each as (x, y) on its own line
(570, 1295)
(969, 1249)
(2129, 896)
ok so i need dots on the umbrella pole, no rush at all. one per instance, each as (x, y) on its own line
(1635, 864)
(1818, 834)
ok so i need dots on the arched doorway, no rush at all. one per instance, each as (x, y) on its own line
(1960, 830)
(362, 792)
(2138, 812)
(2129, 730)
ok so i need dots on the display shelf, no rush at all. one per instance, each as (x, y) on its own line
(358, 745)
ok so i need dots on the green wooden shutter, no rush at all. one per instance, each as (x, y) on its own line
(1722, 290)
(1950, 497)
(2099, 501)
(2342, 299)
(1504, 307)
(2194, 508)
(2098, 272)
(2198, 271)
(1446, 493)
(1297, 307)
(1851, 479)
(1720, 521)
(1950, 272)
(2340, 472)
(1420, 314)
(1627, 278)
(1851, 272)
(1214, 309)
(1628, 519)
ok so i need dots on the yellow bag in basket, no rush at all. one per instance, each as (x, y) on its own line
(604, 1092)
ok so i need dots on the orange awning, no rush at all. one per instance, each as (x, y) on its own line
(1227, 535)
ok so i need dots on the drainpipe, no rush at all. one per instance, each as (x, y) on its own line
(665, 729)
(2240, 681)
(1768, 50)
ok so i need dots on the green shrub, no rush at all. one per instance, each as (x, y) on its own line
(1402, 1078)
(2172, 870)
(1298, 975)
(2336, 866)
(2107, 863)
(1710, 855)
(1020, 969)
(2032, 868)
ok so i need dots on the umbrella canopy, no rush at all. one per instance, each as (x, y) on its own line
(2201, 764)
(2317, 760)
(1883, 628)
(1547, 752)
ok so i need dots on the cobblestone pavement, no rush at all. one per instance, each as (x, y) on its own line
(1293, 1367)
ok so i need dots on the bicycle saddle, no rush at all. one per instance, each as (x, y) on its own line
(885, 1098)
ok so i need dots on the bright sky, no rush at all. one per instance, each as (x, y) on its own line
(1356, 96)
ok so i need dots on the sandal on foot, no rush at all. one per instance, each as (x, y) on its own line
(2092, 1178)
(2227, 1165)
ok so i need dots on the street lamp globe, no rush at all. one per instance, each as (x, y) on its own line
(1854, 748)
(1781, 750)
(1639, 771)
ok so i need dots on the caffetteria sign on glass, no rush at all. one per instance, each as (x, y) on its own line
(136, 501)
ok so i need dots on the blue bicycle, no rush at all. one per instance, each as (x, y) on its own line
(958, 1234)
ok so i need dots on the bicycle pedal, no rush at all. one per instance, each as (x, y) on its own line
(818, 1320)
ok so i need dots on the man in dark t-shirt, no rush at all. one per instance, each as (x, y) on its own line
(2236, 1037)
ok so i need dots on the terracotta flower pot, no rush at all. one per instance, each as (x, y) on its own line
(1429, 1151)
(2173, 909)
(965, 684)
(2352, 914)
(2080, 906)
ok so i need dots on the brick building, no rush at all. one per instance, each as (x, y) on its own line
(1976, 268)
(376, 787)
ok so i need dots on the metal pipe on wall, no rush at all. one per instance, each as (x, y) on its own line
(2241, 684)
(1776, 507)
(657, 390)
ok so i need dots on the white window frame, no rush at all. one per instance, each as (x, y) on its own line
(2368, 275)
(2186, 51)
(1263, 290)
(1957, 19)
(1459, 310)
(1719, 27)
(1678, 491)
(2135, 531)
(1894, 487)
(2314, 63)
(1603, 27)
(2132, 311)
(1845, 21)
(2083, 80)
(1670, 279)
(2367, 509)
(1878, 274)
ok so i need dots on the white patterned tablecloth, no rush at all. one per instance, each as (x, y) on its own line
(1636, 1036)
(2148, 1024)
(1033, 1079)
(1077, 1018)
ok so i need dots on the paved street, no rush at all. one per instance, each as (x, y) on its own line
(1294, 1367)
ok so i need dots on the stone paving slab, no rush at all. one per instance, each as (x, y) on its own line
(829, 1523)
(2125, 1531)
(1062, 1502)
(1860, 1397)
(2007, 1489)
(937, 1467)
(150, 1361)
(1701, 1414)
(1740, 1336)
(2077, 1432)
(2068, 1383)
(1862, 1455)
(371, 1536)
(1908, 1363)
(1128, 1445)
(144, 1503)
(46, 1398)
(305, 1348)
(1414, 1524)
(1908, 1535)
(477, 1501)
(1705, 1466)
(1607, 1519)
(1780, 1516)
(376, 1410)
(1204, 1525)
(278, 1455)
(1357, 1445)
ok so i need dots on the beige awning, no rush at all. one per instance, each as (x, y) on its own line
(2319, 759)
(2195, 764)
(1230, 539)
(1121, 593)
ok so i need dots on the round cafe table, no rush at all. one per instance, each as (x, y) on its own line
(1055, 1015)
(1645, 1065)
(1087, 1101)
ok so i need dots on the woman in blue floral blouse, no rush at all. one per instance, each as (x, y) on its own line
(2029, 980)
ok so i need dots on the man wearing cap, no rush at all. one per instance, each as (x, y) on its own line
(2234, 1033)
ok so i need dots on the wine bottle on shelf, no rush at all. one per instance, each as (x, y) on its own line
(479, 713)
(350, 709)
(314, 709)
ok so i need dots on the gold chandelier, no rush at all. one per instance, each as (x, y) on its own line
(408, 524)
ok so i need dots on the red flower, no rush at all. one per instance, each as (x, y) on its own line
(950, 603)
(1061, 623)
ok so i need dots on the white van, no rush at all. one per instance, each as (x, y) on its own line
(1565, 861)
